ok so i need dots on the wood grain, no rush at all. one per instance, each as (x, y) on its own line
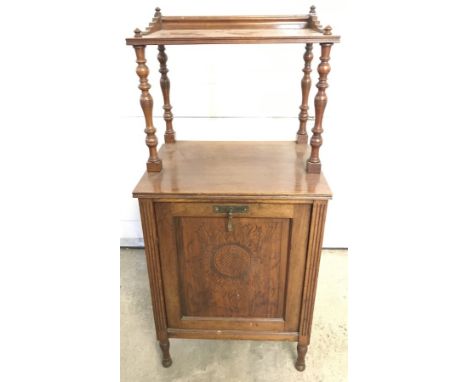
(239, 273)
(196, 169)
(248, 289)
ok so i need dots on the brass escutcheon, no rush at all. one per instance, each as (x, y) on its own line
(230, 210)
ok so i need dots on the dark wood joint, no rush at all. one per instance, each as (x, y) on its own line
(313, 168)
(155, 166)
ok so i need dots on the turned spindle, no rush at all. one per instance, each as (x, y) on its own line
(169, 135)
(166, 358)
(320, 101)
(301, 353)
(301, 136)
(153, 164)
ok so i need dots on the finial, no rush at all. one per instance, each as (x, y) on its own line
(158, 12)
(327, 30)
(312, 9)
(137, 32)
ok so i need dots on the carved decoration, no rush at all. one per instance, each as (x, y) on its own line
(156, 22)
(314, 22)
(239, 273)
(232, 261)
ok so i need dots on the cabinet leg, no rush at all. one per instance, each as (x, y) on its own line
(166, 356)
(301, 352)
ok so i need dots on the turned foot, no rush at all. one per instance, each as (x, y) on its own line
(166, 358)
(300, 362)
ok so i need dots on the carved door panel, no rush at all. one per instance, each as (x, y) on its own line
(244, 272)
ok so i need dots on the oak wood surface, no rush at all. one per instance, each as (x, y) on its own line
(199, 169)
(247, 279)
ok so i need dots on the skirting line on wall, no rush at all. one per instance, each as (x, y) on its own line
(132, 242)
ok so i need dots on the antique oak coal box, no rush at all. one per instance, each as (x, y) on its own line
(233, 230)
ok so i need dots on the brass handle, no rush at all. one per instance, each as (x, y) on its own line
(230, 226)
(230, 210)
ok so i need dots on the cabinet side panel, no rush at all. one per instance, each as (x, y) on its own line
(154, 266)
(314, 250)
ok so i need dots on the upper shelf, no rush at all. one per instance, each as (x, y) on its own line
(176, 30)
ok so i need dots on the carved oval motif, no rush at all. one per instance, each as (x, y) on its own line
(231, 260)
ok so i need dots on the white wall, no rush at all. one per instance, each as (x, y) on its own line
(254, 88)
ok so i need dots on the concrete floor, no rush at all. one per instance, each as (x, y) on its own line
(243, 361)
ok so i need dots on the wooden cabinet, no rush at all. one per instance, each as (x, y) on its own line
(233, 230)
(233, 246)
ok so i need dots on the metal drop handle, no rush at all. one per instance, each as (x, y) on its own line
(230, 226)
(230, 210)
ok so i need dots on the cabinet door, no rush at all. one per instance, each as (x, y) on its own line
(247, 274)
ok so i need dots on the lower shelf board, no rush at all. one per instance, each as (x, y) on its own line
(232, 334)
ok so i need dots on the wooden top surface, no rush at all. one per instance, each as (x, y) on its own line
(261, 170)
(231, 36)
(173, 30)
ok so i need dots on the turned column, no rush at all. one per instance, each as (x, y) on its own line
(301, 136)
(320, 101)
(146, 101)
(169, 136)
